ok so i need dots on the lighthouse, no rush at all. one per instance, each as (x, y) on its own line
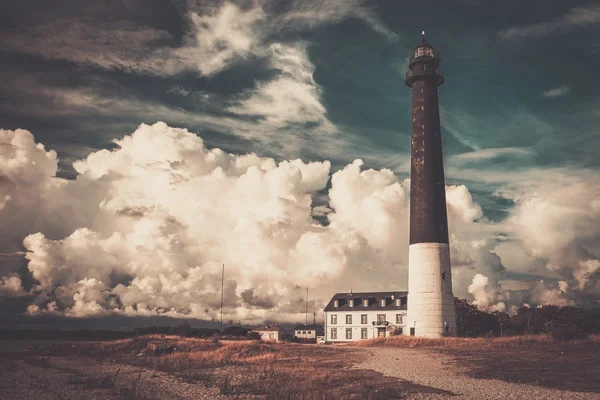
(431, 310)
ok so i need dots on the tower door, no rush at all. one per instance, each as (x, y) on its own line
(412, 331)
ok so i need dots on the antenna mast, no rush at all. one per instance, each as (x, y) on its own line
(306, 314)
(222, 277)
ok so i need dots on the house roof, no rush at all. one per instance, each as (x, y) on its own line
(268, 328)
(308, 327)
(374, 301)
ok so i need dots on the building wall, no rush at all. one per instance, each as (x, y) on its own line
(357, 326)
(310, 334)
(271, 336)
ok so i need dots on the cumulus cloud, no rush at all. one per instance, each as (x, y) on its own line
(557, 220)
(157, 216)
(484, 296)
(144, 229)
(11, 286)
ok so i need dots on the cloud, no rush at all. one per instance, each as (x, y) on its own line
(484, 296)
(557, 219)
(576, 17)
(306, 14)
(213, 42)
(292, 97)
(215, 38)
(156, 216)
(144, 228)
(491, 153)
(10, 286)
(556, 92)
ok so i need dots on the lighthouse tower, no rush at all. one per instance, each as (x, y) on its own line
(431, 310)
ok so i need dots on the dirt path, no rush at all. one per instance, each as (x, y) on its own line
(436, 370)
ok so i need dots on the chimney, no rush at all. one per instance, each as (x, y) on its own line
(383, 302)
(351, 303)
(365, 302)
(398, 302)
(336, 303)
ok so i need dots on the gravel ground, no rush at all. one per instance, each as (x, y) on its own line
(437, 370)
(69, 378)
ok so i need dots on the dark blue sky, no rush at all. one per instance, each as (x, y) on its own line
(518, 76)
(324, 80)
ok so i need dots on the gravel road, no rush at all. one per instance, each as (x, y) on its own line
(436, 370)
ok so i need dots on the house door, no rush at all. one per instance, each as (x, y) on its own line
(412, 331)
(381, 332)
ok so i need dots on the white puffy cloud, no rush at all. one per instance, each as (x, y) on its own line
(10, 286)
(484, 296)
(557, 220)
(144, 229)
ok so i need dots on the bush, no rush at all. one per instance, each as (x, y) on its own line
(254, 336)
(397, 331)
(564, 333)
(235, 331)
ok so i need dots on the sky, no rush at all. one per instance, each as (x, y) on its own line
(143, 144)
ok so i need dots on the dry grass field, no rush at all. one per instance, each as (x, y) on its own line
(232, 369)
(165, 367)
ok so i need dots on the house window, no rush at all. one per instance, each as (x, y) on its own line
(349, 318)
(271, 336)
(304, 332)
(308, 332)
(399, 318)
(380, 318)
(363, 333)
(363, 319)
(334, 333)
(348, 333)
(297, 332)
(333, 319)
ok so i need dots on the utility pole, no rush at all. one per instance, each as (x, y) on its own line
(222, 277)
(314, 318)
(306, 314)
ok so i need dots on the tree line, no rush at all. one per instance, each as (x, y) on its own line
(566, 322)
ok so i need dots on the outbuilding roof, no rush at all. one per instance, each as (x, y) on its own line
(374, 299)
(308, 327)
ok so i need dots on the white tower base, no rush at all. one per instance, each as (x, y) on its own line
(431, 310)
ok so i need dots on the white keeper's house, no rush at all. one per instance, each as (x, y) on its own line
(357, 316)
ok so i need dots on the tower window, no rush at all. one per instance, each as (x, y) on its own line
(423, 51)
(444, 275)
